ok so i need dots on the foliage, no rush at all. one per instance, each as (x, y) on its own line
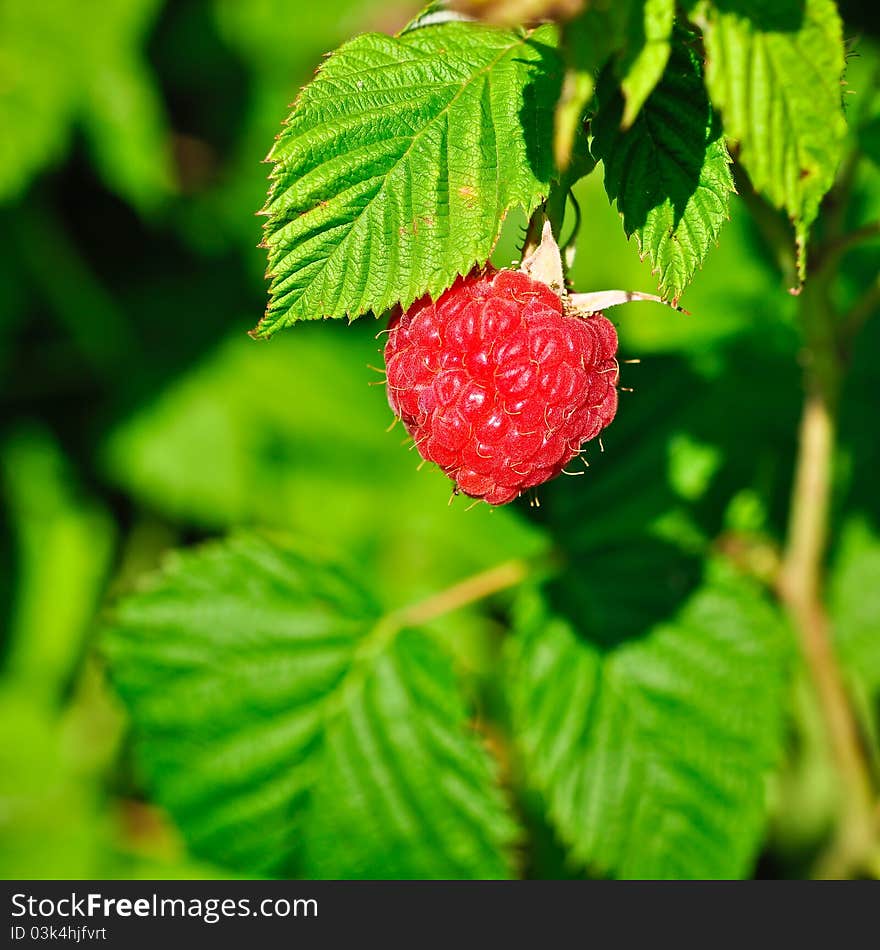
(423, 138)
(306, 663)
(95, 77)
(669, 171)
(651, 754)
(318, 738)
(790, 131)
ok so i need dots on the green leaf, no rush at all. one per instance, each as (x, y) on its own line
(637, 34)
(653, 756)
(51, 824)
(645, 54)
(855, 603)
(774, 70)
(122, 108)
(36, 97)
(399, 163)
(669, 172)
(399, 769)
(273, 707)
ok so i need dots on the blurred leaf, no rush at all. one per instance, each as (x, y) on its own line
(646, 53)
(653, 756)
(774, 71)
(692, 465)
(63, 61)
(855, 602)
(50, 822)
(37, 97)
(431, 137)
(669, 172)
(64, 545)
(290, 729)
(270, 36)
(122, 109)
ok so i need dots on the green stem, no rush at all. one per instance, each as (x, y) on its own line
(471, 590)
(801, 578)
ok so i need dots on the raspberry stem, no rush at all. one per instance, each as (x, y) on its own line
(472, 589)
(800, 587)
(801, 579)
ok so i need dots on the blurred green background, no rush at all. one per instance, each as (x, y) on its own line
(137, 415)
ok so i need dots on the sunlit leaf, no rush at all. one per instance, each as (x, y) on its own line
(399, 163)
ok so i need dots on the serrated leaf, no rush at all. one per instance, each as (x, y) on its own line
(670, 172)
(397, 755)
(652, 756)
(774, 71)
(249, 670)
(646, 53)
(399, 162)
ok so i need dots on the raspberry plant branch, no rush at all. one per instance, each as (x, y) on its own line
(801, 590)
(801, 578)
(471, 590)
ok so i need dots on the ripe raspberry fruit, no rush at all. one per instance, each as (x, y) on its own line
(497, 384)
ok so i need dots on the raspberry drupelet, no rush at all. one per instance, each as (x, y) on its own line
(497, 384)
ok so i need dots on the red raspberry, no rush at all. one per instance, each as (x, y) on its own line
(497, 384)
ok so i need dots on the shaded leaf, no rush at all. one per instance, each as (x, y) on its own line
(588, 41)
(670, 172)
(646, 53)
